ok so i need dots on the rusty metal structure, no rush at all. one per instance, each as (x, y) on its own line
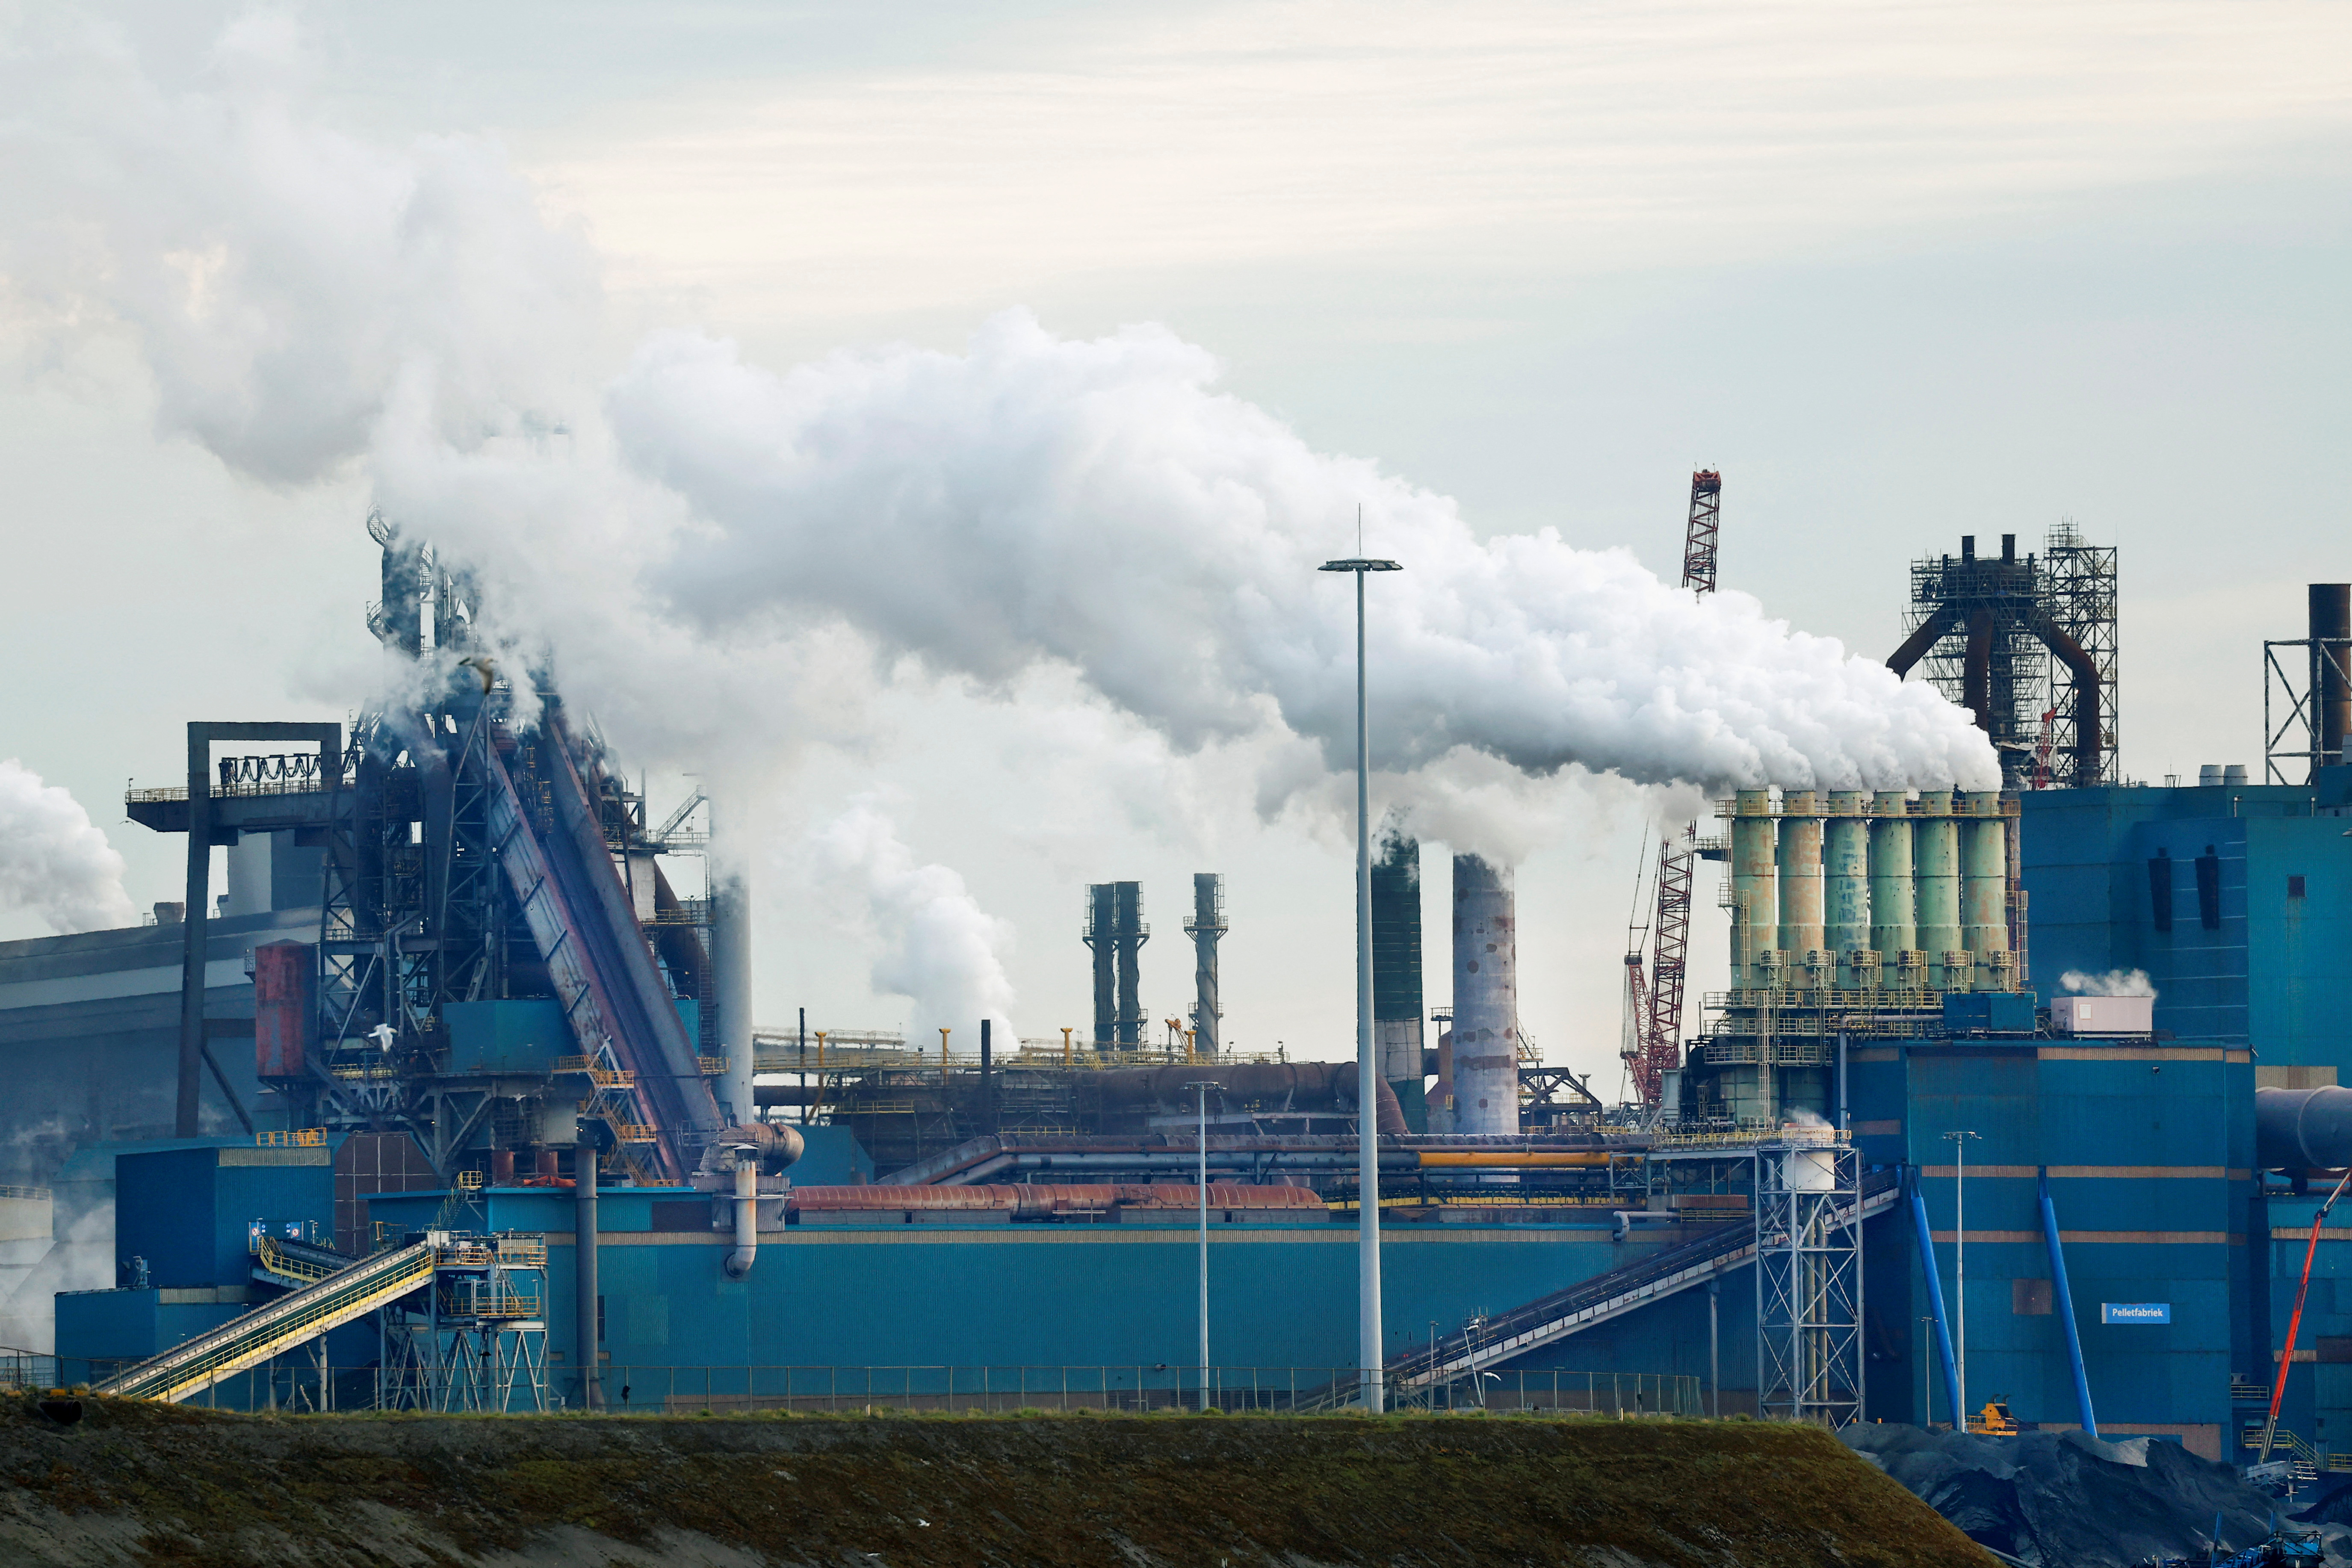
(2009, 638)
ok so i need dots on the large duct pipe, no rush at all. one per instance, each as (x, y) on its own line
(1754, 907)
(730, 984)
(2331, 669)
(2303, 1128)
(1485, 998)
(1205, 928)
(1936, 857)
(747, 1218)
(1984, 889)
(1800, 882)
(1845, 881)
(1893, 908)
(586, 1295)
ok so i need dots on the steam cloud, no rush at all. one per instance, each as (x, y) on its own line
(2113, 982)
(940, 947)
(701, 524)
(53, 861)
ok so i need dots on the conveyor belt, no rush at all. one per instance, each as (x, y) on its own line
(291, 1319)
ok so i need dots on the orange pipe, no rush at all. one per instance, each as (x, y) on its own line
(1438, 1158)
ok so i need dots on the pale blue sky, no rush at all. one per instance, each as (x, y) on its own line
(1902, 272)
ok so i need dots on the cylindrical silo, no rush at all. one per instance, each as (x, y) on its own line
(1845, 879)
(1755, 908)
(1935, 861)
(1485, 999)
(1984, 886)
(1800, 882)
(1893, 911)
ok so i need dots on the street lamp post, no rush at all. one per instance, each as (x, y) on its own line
(1368, 1141)
(1961, 1264)
(1203, 1089)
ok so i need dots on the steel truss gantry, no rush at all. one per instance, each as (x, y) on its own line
(1809, 1278)
(477, 1339)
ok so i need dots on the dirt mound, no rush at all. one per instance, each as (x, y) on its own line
(2061, 1499)
(134, 1483)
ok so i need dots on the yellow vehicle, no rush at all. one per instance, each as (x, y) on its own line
(1994, 1421)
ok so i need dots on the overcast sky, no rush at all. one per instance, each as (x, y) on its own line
(1901, 271)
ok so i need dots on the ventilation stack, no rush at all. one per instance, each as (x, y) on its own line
(1205, 927)
(1485, 998)
(1396, 973)
(2331, 671)
(1115, 931)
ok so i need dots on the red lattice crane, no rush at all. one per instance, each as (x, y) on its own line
(1660, 1046)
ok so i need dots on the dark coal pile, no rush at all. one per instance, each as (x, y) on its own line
(2060, 1499)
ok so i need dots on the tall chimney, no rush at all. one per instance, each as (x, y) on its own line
(1206, 925)
(2331, 663)
(1485, 998)
(1101, 922)
(1396, 1007)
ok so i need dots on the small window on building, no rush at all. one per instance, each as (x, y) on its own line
(2160, 889)
(2209, 890)
(2030, 1298)
(2295, 887)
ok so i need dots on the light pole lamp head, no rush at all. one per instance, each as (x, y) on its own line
(1359, 564)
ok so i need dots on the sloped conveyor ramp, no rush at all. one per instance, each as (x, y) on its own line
(268, 1330)
(1603, 1297)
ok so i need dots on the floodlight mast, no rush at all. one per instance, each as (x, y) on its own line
(1368, 1348)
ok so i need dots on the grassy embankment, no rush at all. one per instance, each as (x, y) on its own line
(143, 1483)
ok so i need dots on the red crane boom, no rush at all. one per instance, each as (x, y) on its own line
(1661, 1043)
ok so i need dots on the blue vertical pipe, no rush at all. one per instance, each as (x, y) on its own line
(1936, 1299)
(2065, 1305)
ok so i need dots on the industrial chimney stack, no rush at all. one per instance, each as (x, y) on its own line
(1485, 998)
(1206, 924)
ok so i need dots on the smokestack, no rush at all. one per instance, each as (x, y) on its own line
(1754, 908)
(1936, 864)
(1100, 920)
(1801, 882)
(1984, 887)
(1845, 883)
(1893, 928)
(1397, 1005)
(2331, 669)
(731, 982)
(1206, 925)
(1129, 934)
(1485, 998)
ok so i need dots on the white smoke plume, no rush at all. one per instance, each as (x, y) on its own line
(2113, 982)
(939, 947)
(712, 549)
(53, 861)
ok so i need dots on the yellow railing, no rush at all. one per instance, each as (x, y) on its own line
(298, 1138)
(523, 1251)
(264, 1250)
(711, 1065)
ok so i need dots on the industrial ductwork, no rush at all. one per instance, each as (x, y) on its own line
(2303, 1128)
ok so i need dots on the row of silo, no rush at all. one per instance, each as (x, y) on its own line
(1850, 891)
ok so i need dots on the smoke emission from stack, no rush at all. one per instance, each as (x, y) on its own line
(53, 861)
(771, 539)
(939, 947)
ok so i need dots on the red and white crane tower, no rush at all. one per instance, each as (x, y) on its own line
(1654, 1011)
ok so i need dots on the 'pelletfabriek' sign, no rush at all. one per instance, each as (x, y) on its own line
(2135, 1311)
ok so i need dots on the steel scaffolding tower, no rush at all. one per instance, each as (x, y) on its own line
(2078, 593)
(1809, 1278)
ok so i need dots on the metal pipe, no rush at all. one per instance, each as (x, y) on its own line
(584, 1336)
(1485, 998)
(2065, 1306)
(747, 1215)
(2303, 1128)
(1801, 878)
(1935, 1299)
(1984, 887)
(1754, 910)
(1936, 852)
(1846, 882)
(730, 964)
(1893, 910)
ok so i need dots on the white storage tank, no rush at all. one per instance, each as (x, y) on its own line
(2102, 1014)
